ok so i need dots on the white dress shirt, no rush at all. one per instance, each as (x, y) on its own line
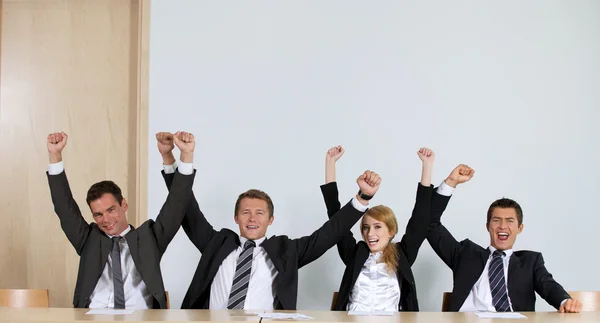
(261, 291)
(137, 295)
(480, 297)
(376, 288)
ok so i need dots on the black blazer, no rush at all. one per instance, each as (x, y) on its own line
(147, 243)
(526, 271)
(287, 255)
(355, 254)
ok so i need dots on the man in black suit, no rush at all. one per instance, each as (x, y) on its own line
(249, 270)
(119, 265)
(496, 278)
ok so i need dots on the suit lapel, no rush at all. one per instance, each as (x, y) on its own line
(132, 242)
(229, 245)
(515, 264)
(278, 257)
(362, 255)
(476, 265)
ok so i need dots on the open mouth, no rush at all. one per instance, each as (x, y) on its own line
(502, 236)
(372, 242)
(251, 227)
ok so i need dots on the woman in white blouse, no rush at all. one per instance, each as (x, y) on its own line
(378, 276)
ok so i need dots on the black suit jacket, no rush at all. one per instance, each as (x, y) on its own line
(355, 254)
(526, 271)
(287, 255)
(147, 243)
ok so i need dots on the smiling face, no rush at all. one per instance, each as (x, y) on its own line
(253, 214)
(505, 222)
(108, 207)
(110, 215)
(378, 227)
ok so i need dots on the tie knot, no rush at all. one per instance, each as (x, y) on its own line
(249, 244)
(116, 239)
(499, 253)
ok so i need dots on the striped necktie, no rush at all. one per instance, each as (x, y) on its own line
(498, 282)
(241, 279)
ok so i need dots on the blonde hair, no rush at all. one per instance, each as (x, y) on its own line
(384, 214)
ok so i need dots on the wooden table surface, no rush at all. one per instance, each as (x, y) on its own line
(17, 315)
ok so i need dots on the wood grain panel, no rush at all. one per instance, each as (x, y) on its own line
(69, 65)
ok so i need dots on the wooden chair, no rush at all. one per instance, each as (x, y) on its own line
(334, 300)
(590, 301)
(24, 298)
(446, 301)
(168, 301)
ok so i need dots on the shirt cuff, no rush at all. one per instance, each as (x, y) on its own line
(561, 303)
(445, 189)
(56, 168)
(359, 206)
(170, 169)
(186, 168)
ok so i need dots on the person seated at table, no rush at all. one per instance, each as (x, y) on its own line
(497, 278)
(378, 275)
(250, 270)
(119, 265)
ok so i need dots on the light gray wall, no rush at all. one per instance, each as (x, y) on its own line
(511, 88)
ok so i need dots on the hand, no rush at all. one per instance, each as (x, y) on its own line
(165, 142)
(184, 141)
(570, 306)
(426, 155)
(369, 182)
(461, 174)
(333, 154)
(56, 143)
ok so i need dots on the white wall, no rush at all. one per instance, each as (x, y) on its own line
(510, 88)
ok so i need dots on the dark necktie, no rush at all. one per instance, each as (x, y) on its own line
(498, 282)
(115, 254)
(241, 279)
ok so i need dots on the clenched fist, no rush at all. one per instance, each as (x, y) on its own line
(369, 182)
(461, 174)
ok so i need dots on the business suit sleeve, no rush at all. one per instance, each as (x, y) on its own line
(546, 286)
(72, 222)
(332, 202)
(417, 227)
(173, 210)
(311, 247)
(194, 223)
(440, 239)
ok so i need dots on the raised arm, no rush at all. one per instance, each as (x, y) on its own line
(312, 247)
(194, 224)
(71, 221)
(332, 202)
(173, 210)
(440, 239)
(416, 229)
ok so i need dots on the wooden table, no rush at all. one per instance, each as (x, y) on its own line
(49, 315)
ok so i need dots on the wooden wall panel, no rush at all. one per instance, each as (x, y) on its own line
(69, 65)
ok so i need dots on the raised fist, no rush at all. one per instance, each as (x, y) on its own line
(184, 141)
(426, 155)
(165, 142)
(57, 142)
(335, 153)
(461, 174)
(369, 182)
